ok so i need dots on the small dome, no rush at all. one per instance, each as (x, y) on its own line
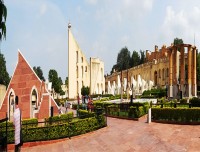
(69, 25)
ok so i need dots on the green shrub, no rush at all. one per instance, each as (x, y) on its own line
(63, 130)
(85, 114)
(33, 122)
(75, 106)
(60, 119)
(195, 102)
(176, 114)
(183, 101)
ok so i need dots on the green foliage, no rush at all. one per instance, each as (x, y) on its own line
(135, 59)
(66, 81)
(176, 114)
(136, 110)
(30, 122)
(123, 59)
(195, 102)
(3, 16)
(39, 72)
(142, 57)
(4, 76)
(85, 114)
(56, 81)
(156, 93)
(178, 41)
(63, 118)
(183, 101)
(85, 91)
(57, 131)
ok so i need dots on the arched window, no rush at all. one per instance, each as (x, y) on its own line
(163, 74)
(11, 103)
(159, 74)
(33, 102)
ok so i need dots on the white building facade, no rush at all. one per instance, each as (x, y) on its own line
(81, 72)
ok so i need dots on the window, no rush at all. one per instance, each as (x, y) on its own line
(159, 74)
(82, 71)
(163, 74)
(76, 56)
(85, 68)
(81, 59)
(77, 71)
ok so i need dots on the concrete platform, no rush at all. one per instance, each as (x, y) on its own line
(128, 136)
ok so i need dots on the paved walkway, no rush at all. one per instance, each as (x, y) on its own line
(130, 136)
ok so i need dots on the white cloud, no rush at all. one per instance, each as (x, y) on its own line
(91, 2)
(43, 9)
(41, 35)
(181, 23)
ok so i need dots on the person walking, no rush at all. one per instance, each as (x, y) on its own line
(17, 124)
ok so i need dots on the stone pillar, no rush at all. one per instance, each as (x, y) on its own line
(189, 70)
(182, 76)
(149, 116)
(194, 80)
(174, 72)
(170, 73)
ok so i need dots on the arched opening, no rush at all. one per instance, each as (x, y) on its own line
(155, 78)
(11, 104)
(34, 101)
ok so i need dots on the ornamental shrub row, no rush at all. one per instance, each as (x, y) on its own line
(85, 114)
(63, 118)
(64, 130)
(176, 114)
(195, 102)
(135, 110)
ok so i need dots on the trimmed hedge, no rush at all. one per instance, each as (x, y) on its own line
(49, 132)
(85, 114)
(127, 110)
(60, 119)
(195, 102)
(176, 114)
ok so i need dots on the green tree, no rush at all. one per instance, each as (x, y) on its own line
(39, 72)
(4, 76)
(85, 91)
(142, 57)
(123, 59)
(113, 68)
(56, 81)
(135, 59)
(178, 41)
(3, 16)
(66, 81)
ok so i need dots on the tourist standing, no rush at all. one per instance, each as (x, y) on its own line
(17, 124)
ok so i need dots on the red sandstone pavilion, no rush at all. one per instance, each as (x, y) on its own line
(34, 99)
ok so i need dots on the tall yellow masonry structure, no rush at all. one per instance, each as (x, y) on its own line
(81, 72)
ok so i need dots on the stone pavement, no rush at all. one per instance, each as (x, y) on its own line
(129, 136)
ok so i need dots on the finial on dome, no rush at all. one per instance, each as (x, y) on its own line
(69, 25)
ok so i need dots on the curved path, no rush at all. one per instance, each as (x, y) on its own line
(129, 136)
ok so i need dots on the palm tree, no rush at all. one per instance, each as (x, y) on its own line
(3, 15)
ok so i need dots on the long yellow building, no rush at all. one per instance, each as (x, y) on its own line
(172, 67)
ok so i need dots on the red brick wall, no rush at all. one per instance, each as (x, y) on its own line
(44, 108)
(55, 107)
(22, 83)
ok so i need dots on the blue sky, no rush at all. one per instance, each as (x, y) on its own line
(101, 27)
